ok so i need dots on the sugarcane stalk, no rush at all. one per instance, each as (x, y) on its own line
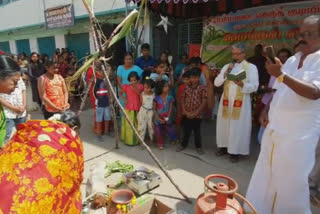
(95, 34)
(86, 93)
(98, 46)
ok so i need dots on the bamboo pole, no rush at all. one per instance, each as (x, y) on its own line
(93, 23)
(97, 38)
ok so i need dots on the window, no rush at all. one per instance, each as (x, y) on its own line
(4, 2)
(188, 33)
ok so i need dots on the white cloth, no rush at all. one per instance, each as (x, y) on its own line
(279, 183)
(145, 116)
(15, 99)
(314, 178)
(236, 134)
(31, 106)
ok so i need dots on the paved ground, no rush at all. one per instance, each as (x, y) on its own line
(188, 169)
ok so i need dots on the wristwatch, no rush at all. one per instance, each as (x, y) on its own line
(281, 77)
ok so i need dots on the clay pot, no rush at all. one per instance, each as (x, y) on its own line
(120, 197)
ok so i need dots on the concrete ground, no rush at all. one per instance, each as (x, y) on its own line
(187, 168)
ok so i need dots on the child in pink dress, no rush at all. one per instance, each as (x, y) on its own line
(132, 106)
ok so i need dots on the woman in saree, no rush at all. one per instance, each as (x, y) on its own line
(9, 77)
(41, 167)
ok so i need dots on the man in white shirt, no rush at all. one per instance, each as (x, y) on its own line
(234, 114)
(279, 183)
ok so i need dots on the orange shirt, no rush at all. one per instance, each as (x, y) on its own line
(54, 92)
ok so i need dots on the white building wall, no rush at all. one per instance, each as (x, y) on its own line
(26, 13)
(60, 41)
(13, 46)
(33, 45)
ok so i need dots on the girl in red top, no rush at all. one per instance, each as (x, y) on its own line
(132, 107)
(186, 81)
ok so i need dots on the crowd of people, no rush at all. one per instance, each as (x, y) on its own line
(167, 102)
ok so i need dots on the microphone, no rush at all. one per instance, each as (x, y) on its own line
(232, 65)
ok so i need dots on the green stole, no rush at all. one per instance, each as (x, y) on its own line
(3, 130)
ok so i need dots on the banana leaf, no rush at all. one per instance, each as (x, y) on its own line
(126, 27)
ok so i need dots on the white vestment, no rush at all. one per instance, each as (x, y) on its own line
(279, 183)
(236, 134)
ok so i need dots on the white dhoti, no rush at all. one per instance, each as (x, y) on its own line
(314, 178)
(279, 183)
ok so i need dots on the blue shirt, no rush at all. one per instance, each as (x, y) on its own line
(179, 69)
(154, 77)
(123, 73)
(143, 63)
(101, 93)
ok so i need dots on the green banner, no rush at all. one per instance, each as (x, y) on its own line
(274, 25)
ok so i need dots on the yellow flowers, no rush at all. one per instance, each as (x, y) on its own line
(73, 145)
(48, 129)
(134, 200)
(122, 207)
(42, 186)
(126, 207)
(53, 168)
(72, 156)
(44, 123)
(26, 181)
(46, 150)
(63, 141)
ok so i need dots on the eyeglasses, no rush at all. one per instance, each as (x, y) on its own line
(305, 35)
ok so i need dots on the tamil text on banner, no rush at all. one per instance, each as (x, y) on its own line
(274, 25)
(62, 16)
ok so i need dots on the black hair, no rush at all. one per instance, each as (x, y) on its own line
(145, 46)
(186, 55)
(8, 67)
(187, 74)
(127, 54)
(148, 82)
(286, 51)
(165, 53)
(159, 87)
(33, 53)
(158, 63)
(195, 60)
(49, 63)
(71, 119)
(195, 72)
(258, 49)
(133, 74)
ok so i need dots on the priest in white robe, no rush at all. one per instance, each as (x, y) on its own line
(279, 183)
(234, 114)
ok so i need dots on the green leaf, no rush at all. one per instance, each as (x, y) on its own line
(126, 27)
(85, 66)
(117, 166)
